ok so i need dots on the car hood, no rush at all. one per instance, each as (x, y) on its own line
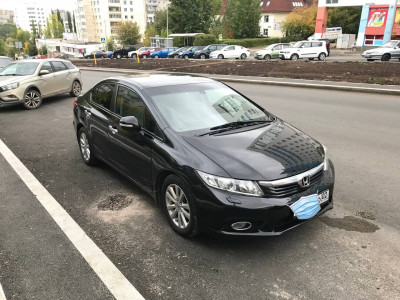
(10, 79)
(378, 50)
(265, 153)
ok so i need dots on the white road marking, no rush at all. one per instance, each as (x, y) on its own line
(2, 295)
(113, 279)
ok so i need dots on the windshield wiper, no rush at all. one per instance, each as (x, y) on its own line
(234, 125)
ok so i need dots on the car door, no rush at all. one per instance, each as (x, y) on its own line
(275, 51)
(229, 52)
(307, 50)
(99, 116)
(396, 51)
(47, 83)
(131, 149)
(61, 79)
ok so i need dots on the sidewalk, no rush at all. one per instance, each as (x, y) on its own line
(37, 260)
(315, 84)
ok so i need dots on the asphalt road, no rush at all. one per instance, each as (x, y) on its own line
(338, 256)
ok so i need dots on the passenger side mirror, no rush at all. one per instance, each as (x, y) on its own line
(43, 72)
(129, 122)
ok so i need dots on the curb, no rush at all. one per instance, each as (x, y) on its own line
(334, 87)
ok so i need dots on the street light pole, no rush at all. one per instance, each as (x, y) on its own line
(167, 23)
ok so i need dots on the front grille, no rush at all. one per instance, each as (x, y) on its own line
(290, 189)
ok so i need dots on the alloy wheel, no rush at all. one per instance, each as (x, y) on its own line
(202, 56)
(32, 99)
(76, 88)
(85, 148)
(177, 206)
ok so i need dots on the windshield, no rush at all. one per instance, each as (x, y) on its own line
(202, 106)
(391, 44)
(20, 69)
(297, 45)
(270, 47)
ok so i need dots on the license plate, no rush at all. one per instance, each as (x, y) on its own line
(323, 196)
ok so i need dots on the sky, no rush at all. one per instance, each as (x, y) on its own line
(51, 4)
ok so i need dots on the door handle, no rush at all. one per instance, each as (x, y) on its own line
(113, 129)
(88, 113)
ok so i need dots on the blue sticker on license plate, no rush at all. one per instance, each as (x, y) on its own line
(306, 207)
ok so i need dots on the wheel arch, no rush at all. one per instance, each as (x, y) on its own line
(32, 87)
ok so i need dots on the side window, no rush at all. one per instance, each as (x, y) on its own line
(278, 47)
(69, 64)
(230, 48)
(102, 95)
(285, 46)
(58, 66)
(212, 48)
(130, 104)
(47, 66)
(307, 45)
(317, 44)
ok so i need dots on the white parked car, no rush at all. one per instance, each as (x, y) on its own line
(305, 49)
(390, 50)
(232, 51)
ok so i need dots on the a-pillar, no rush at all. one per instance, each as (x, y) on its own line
(322, 20)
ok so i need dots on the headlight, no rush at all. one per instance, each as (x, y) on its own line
(10, 86)
(231, 185)
(326, 158)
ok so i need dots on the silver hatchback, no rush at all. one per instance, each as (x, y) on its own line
(27, 82)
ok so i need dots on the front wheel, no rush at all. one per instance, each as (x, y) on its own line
(144, 56)
(85, 146)
(186, 56)
(32, 99)
(220, 56)
(156, 56)
(267, 57)
(178, 204)
(294, 57)
(385, 57)
(118, 56)
(76, 89)
(243, 56)
(202, 56)
(321, 56)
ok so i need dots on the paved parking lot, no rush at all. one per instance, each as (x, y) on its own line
(339, 256)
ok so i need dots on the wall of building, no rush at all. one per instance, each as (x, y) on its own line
(274, 24)
(6, 16)
(27, 11)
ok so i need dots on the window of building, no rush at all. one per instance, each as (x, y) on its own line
(265, 31)
(266, 19)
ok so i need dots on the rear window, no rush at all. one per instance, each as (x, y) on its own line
(68, 64)
(58, 66)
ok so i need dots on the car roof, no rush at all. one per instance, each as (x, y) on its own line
(144, 81)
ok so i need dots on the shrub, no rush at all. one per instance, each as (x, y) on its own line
(251, 43)
(205, 39)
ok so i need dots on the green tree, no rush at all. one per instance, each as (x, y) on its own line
(244, 17)
(110, 44)
(160, 20)
(73, 18)
(346, 17)
(190, 16)
(8, 30)
(48, 34)
(69, 21)
(3, 48)
(54, 28)
(216, 7)
(128, 32)
(300, 23)
(43, 50)
(60, 19)
(150, 32)
(40, 31)
(23, 36)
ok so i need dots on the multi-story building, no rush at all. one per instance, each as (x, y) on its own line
(97, 18)
(274, 13)
(27, 11)
(6, 16)
(162, 4)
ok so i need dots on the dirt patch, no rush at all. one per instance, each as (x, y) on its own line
(360, 72)
(350, 223)
(365, 214)
(115, 202)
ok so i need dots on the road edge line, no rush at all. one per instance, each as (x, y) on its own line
(2, 294)
(345, 88)
(113, 279)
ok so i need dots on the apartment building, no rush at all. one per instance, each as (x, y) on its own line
(6, 16)
(27, 11)
(97, 18)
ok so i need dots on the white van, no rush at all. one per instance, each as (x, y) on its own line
(305, 49)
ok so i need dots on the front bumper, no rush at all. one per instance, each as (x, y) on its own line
(284, 55)
(11, 97)
(218, 210)
(372, 56)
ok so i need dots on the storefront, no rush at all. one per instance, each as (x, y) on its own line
(379, 21)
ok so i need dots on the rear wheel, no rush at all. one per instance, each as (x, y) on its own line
(243, 56)
(156, 56)
(220, 56)
(76, 89)
(176, 56)
(178, 204)
(321, 56)
(186, 57)
(267, 57)
(118, 56)
(294, 57)
(385, 57)
(144, 56)
(85, 146)
(202, 56)
(32, 99)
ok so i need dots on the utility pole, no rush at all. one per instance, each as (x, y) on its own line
(167, 21)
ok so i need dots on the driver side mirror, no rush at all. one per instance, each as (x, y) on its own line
(130, 122)
(43, 72)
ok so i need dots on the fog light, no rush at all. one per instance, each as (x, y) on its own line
(241, 225)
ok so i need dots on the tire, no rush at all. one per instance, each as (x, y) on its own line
(176, 56)
(32, 99)
(85, 147)
(202, 56)
(267, 57)
(118, 56)
(322, 56)
(186, 57)
(181, 214)
(311, 59)
(369, 59)
(385, 57)
(156, 56)
(76, 89)
(294, 57)
(144, 56)
(243, 56)
(220, 56)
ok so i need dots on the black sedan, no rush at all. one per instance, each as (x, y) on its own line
(212, 159)
(98, 53)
